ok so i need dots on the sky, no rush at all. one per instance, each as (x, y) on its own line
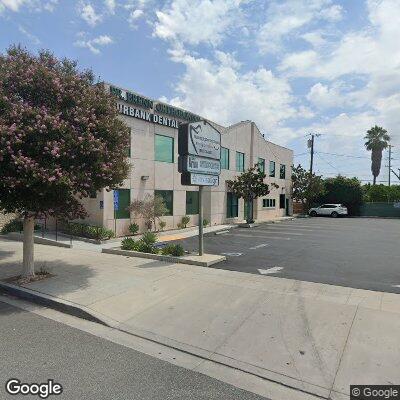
(294, 67)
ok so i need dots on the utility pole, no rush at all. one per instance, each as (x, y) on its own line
(310, 144)
(390, 162)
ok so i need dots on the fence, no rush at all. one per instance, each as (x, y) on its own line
(380, 209)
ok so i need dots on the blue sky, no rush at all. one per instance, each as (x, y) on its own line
(292, 66)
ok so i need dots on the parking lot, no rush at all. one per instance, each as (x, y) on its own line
(356, 252)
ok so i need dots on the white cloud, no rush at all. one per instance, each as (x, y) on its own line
(287, 17)
(88, 13)
(36, 5)
(216, 89)
(196, 21)
(12, 5)
(34, 39)
(110, 5)
(94, 44)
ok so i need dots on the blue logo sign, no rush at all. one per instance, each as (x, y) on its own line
(116, 200)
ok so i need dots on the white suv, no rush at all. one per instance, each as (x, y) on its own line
(334, 210)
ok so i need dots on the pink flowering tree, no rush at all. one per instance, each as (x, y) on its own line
(60, 140)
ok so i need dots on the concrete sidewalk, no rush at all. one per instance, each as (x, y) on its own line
(313, 337)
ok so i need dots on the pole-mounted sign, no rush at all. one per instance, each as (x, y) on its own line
(199, 146)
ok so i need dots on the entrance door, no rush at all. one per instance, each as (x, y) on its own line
(282, 201)
(287, 208)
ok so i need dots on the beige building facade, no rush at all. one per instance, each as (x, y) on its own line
(153, 156)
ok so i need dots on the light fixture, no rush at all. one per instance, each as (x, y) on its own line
(144, 177)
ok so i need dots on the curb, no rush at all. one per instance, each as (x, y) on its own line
(55, 303)
(172, 259)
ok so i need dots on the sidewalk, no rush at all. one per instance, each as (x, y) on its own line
(314, 337)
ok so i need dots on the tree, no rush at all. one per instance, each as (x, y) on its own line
(342, 190)
(151, 209)
(377, 139)
(249, 186)
(306, 187)
(60, 140)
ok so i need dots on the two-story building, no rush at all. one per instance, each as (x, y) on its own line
(153, 154)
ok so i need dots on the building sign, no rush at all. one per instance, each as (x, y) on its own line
(131, 97)
(199, 165)
(147, 116)
(116, 200)
(201, 139)
(199, 179)
(176, 112)
(199, 146)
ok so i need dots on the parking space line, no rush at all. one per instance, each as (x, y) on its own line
(259, 236)
(259, 246)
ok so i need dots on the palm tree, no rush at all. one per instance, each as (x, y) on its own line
(377, 140)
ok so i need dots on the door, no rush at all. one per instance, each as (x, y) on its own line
(282, 201)
(287, 208)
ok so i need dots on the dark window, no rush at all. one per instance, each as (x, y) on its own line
(124, 199)
(261, 164)
(272, 169)
(168, 197)
(192, 203)
(269, 203)
(164, 148)
(128, 149)
(239, 161)
(224, 158)
(282, 172)
(282, 201)
(232, 205)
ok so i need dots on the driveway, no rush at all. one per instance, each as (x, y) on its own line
(355, 252)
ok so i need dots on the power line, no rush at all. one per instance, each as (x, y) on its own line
(343, 155)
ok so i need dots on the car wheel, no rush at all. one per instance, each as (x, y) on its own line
(313, 214)
(334, 214)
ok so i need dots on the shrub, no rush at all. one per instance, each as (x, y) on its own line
(149, 238)
(133, 228)
(149, 225)
(173, 250)
(206, 222)
(162, 225)
(15, 225)
(88, 231)
(128, 244)
(185, 220)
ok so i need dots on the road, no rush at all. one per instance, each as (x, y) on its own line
(355, 252)
(35, 349)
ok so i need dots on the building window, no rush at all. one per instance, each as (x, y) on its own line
(261, 164)
(282, 172)
(269, 203)
(232, 206)
(192, 203)
(272, 169)
(168, 197)
(239, 161)
(164, 148)
(124, 200)
(128, 149)
(224, 158)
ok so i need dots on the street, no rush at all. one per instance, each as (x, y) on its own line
(353, 252)
(35, 349)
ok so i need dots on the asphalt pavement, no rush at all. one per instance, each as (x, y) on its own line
(361, 253)
(35, 349)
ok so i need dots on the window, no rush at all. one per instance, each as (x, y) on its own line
(272, 169)
(164, 148)
(282, 171)
(269, 203)
(168, 197)
(239, 161)
(261, 164)
(128, 149)
(124, 199)
(224, 158)
(232, 205)
(192, 203)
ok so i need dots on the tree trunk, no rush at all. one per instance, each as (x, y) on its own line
(374, 180)
(28, 269)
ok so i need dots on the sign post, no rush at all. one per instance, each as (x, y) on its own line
(116, 206)
(199, 145)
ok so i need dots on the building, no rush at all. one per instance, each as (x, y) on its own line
(153, 156)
